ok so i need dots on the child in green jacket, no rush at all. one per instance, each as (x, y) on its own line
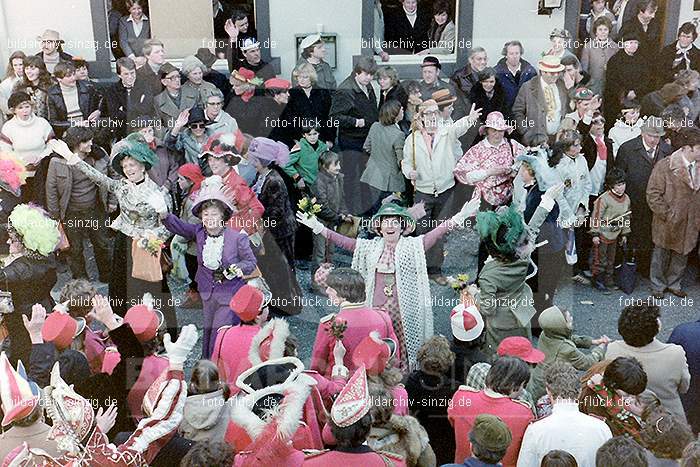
(558, 343)
(303, 159)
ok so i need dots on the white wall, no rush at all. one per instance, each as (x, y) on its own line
(343, 17)
(498, 21)
(25, 20)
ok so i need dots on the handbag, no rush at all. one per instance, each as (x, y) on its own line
(145, 266)
(626, 272)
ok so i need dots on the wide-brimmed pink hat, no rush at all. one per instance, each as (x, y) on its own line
(497, 121)
(213, 188)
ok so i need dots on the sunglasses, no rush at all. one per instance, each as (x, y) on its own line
(198, 125)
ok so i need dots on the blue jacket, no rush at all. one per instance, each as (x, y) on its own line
(508, 81)
(687, 335)
(472, 462)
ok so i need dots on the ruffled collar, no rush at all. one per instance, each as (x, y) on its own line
(212, 252)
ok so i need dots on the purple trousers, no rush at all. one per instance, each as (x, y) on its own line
(215, 316)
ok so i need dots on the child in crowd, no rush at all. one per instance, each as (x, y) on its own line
(329, 194)
(609, 224)
(559, 344)
(303, 159)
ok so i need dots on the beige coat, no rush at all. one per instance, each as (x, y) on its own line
(675, 204)
(35, 435)
(666, 368)
(530, 111)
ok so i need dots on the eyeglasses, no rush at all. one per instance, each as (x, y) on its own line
(215, 103)
(198, 125)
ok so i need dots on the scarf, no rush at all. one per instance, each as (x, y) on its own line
(682, 56)
(613, 405)
(602, 149)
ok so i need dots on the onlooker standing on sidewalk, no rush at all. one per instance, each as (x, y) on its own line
(81, 205)
(355, 107)
(673, 194)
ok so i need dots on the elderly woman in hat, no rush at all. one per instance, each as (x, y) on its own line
(164, 172)
(313, 51)
(28, 273)
(394, 268)
(195, 70)
(224, 255)
(559, 43)
(140, 234)
(267, 156)
(243, 101)
(52, 50)
(488, 164)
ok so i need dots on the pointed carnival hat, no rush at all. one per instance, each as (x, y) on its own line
(19, 396)
(353, 402)
(213, 189)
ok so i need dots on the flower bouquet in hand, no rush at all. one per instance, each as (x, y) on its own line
(151, 243)
(232, 272)
(460, 284)
(309, 206)
(337, 328)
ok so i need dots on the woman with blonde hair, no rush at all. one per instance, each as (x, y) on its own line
(308, 102)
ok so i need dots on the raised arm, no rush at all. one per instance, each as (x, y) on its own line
(179, 227)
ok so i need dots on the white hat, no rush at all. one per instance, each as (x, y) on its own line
(467, 323)
(309, 40)
(250, 43)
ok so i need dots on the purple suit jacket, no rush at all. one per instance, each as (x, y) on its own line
(236, 251)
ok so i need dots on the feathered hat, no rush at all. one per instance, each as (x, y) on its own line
(19, 396)
(545, 175)
(266, 424)
(36, 230)
(133, 146)
(489, 223)
(213, 188)
(13, 174)
(224, 144)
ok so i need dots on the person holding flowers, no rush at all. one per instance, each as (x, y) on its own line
(394, 268)
(140, 237)
(224, 255)
(28, 273)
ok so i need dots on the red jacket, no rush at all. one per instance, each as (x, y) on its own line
(249, 208)
(361, 320)
(231, 352)
(466, 405)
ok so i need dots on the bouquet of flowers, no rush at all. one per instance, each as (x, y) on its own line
(460, 282)
(309, 206)
(151, 244)
(232, 272)
(337, 328)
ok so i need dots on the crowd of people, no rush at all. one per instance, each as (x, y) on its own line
(203, 191)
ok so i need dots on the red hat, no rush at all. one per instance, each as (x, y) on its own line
(18, 395)
(353, 402)
(144, 320)
(61, 328)
(521, 347)
(222, 144)
(247, 302)
(372, 353)
(277, 83)
(193, 173)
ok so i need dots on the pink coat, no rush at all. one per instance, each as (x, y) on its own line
(361, 320)
(466, 404)
(153, 367)
(231, 352)
(363, 456)
(94, 350)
